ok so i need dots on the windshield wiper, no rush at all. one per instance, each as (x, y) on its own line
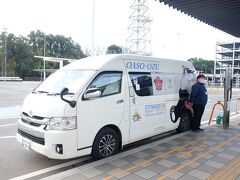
(39, 92)
(57, 94)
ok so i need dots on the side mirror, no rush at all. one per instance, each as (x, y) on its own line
(92, 93)
(65, 92)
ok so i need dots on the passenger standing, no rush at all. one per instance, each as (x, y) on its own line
(198, 100)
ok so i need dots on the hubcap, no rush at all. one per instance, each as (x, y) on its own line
(107, 145)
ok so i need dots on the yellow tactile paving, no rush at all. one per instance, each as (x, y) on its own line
(229, 172)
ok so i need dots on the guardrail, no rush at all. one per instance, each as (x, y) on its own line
(10, 79)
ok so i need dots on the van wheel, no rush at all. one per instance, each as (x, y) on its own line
(105, 144)
(184, 124)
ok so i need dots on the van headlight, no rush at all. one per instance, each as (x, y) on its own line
(62, 123)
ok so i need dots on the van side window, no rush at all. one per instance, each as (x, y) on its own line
(109, 83)
(142, 83)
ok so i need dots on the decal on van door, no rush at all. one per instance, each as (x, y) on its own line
(158, 83)
(154, 109)
(136, 116)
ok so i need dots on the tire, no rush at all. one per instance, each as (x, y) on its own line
(184, 124)
(172, 114)
(106, 143)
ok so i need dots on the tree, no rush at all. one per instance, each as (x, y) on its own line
(114, 49)
(205, 66)
(21, 51)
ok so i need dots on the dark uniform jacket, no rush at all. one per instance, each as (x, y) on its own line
(199, 94)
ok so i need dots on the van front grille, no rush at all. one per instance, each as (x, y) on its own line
(31, 137)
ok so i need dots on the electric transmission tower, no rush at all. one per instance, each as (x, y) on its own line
(138, 41)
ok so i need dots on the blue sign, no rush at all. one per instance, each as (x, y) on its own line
(142, 65)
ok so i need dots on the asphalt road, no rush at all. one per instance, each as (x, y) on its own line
(15, 161)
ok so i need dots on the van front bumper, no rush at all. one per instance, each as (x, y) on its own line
(67, 139)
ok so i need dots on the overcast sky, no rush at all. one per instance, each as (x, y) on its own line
(173, 34)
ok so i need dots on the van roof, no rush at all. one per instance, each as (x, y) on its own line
(114, 62)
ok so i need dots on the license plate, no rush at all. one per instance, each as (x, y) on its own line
(26, 145)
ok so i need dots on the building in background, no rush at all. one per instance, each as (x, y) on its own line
(227, 54)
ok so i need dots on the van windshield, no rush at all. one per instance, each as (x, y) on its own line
(73, 79)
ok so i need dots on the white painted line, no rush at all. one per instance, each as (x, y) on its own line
(7, 137)
(6, 125)
(43, 171)
(10, 117)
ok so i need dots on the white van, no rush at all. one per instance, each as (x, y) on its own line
(96, 105)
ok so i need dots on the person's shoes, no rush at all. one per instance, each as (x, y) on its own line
(194, 130)
(199, 129)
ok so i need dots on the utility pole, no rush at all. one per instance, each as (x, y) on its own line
(93, 25)
(5, 53)
(227, 97)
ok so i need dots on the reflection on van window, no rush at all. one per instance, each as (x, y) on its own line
(108, 82)
(72, 79)
(142, 83)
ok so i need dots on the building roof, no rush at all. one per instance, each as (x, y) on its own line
(221, 14)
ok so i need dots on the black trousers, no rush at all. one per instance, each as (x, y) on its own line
(198, 110)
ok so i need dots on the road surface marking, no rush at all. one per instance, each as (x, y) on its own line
(6, 125)
(7, 137)
(46, 170)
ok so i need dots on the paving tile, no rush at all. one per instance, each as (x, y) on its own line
(207, 169)
(220, 160)
(166, 163)
(214, 164)
(145, 173)
(194, 164)
(156, 177)
(91, 172)
(135, 169)
(221, 149)
(208, 143)
(118, 163)
(150, 157)
(186, 169)
(199, 174)
(132, 177)
(150, 151)
(238, 178)
(188, 177)
(234, 153)
(142, 163)
(105, 167)
(129, 158)
(101, 176)
(157, 168)
(176, 175)
(140, 154)
(234, 149)
(118, 173)
(77, 177)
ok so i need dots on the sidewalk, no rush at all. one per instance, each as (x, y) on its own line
(212, 154)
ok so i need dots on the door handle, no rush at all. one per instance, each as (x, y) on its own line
(119, 101)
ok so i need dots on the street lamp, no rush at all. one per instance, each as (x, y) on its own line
(5, 53)
(44, 51)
